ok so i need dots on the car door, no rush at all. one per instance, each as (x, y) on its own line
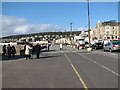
(106, 47)
(109, 46)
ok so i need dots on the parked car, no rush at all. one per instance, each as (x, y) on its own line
(97, 45)
(105, 41)
(80, 41)
(112, 46)
(87, 45)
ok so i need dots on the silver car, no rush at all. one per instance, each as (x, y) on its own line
(112, 46)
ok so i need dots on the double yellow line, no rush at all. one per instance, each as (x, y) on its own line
(80, 78)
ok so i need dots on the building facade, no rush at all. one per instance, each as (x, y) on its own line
(106, 30)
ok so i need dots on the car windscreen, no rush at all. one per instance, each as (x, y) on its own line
(81, 39)
(98, 43)
(115, 43)
(118, 42)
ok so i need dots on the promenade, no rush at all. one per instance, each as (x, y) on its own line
(67, 68)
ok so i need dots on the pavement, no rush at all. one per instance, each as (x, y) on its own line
(67, 68)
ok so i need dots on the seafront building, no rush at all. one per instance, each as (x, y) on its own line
(106, 30)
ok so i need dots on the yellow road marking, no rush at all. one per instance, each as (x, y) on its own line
(80, 78)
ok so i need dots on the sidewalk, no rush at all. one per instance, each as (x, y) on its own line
(53, 49)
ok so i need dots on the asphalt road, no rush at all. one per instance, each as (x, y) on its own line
(67, 68)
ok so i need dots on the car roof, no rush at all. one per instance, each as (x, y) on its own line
(113, 41)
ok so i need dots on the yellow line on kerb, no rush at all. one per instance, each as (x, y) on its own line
(80, 78)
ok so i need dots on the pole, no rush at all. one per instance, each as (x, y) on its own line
(71, 31)
(71, 28)
(88, 22)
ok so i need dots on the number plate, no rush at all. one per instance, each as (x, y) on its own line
(118, 45)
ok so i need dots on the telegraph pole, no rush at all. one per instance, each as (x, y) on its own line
(88, 22)
(71, 31)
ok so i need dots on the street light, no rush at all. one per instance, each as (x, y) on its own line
(88, 22)
(71, 31)
(71, 28)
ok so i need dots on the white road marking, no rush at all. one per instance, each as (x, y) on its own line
(113, 55)
(98, 64)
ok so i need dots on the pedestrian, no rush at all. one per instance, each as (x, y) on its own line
(61, 46)
(13, 51)
(37, 50)
(9, 49)
(47, 46)
(31, 51)
(4, 50)
(27, 51)
(78, 46)
(24, 50)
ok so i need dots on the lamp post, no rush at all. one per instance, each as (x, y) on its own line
(88, 22)
(71, 28)
(71, 31)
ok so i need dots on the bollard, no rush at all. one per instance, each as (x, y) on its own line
(89, 49)
(73, 46)
(80, 47)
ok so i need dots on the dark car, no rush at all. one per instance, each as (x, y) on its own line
(97, 45)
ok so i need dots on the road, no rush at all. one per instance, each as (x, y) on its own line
(67, 68)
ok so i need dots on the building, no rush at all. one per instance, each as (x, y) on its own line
(106, 30)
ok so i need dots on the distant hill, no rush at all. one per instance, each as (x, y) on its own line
(44, 33)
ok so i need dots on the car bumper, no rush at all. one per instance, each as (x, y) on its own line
(116, 48)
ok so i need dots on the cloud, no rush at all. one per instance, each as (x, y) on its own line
(14, 25)
(77, 29)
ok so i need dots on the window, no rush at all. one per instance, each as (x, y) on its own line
(114, 43)
(113, 32)
(108, 37)
(107, 32)
(109, 43)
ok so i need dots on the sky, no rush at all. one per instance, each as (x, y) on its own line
(34, 17)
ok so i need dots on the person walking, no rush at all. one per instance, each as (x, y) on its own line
(31, 51)
(9, 49)
(13, 51)
(61, 46)
(37, 50)
(78, 46)
(47, 46)
(27, 51)
(4, 50)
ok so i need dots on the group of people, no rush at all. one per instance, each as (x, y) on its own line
(30, 49)
(9, 50)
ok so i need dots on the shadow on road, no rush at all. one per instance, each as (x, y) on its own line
(48, 50)
(50, 56)
(22, 55)
(109, 51)
(4, 58)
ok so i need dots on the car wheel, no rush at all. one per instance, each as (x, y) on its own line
(104, 50)
(111, 50)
